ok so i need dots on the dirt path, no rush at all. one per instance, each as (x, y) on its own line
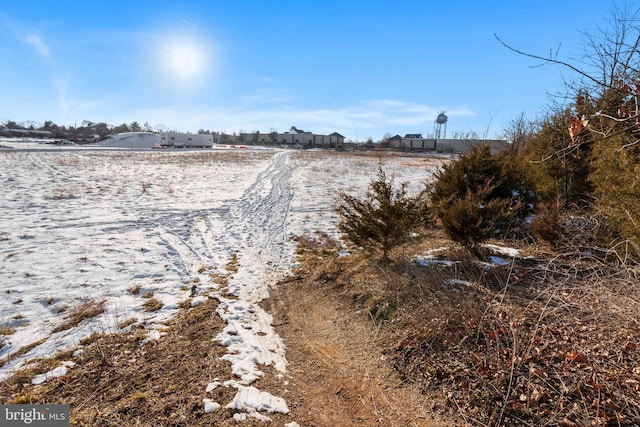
(338, 374)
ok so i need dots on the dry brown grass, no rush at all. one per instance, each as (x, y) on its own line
(87, 310)
(329, 316)
(62, 193)
(67, 161)
(542, 341)
(233, 264)
(118, 382)
(7, 330)
(21, 351)
(152, 304)
(202, 157)
(535, 342)
(127, 322)
(545, 340)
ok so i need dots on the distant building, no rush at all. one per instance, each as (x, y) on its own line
(154, 140)
(26, 132)
(464, 145)
(186, 140)
(131, 140)
(295, 138)
(416, 142)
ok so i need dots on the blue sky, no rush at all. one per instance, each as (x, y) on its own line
(361, 68)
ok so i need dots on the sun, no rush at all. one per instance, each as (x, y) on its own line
(184, 60)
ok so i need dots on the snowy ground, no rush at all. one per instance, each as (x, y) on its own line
(116, 227)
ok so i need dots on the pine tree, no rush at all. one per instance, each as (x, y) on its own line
(383, 219)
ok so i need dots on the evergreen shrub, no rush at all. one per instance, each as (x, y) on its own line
(384, 218)
(479, 196)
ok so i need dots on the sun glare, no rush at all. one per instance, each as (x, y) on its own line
(184, 61)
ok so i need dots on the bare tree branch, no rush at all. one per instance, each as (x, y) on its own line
(550, 60)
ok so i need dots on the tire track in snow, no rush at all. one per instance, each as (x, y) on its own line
(258, 219)
(257, 222)
(251, 228)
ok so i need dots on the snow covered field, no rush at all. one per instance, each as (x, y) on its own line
(108, 231)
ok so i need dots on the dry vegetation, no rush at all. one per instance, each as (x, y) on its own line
(119, 382)
(86, 310)
(545, 340)
(7, 330)
(67, 161)
(187, 158)
(550, 338)
(541, 341)
(152, 304)
(62, 193)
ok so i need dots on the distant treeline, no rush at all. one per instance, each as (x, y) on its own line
(87, 131)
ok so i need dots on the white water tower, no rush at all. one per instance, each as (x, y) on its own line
(441, 121)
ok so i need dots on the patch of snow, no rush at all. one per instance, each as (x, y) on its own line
(430, 258)
(199, 300)
(250, 398)
(210, 405)
(460, 282)
(510, 252)
(250, 339)
(426, 261)
(54, 373)
(152, 335)
(437, 250)
(498, 261)
(213, 385)
(239, 417)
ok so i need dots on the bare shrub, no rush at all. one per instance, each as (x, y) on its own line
(553, 348)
